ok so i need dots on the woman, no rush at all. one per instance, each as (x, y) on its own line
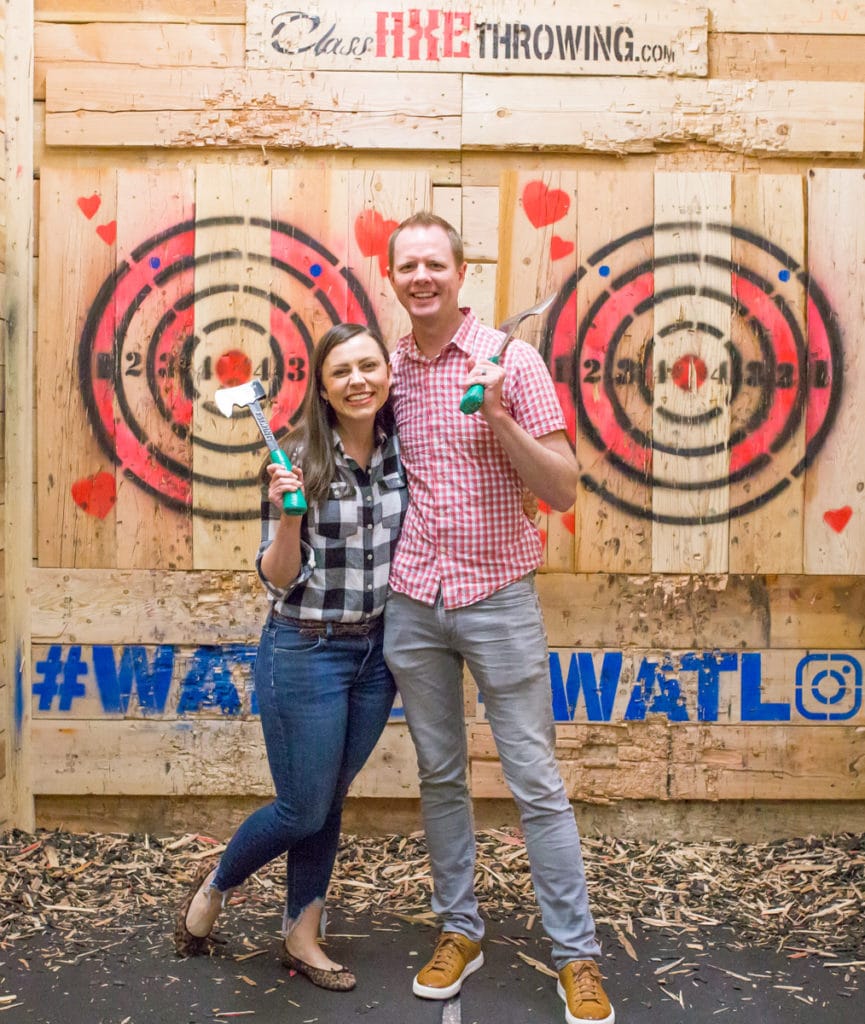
(324, 691)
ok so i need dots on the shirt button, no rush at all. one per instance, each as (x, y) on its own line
(369, 526)
(369, 498)
(369, 586)
(369, 557)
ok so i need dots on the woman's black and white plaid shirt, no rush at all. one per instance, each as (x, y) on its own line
(347, 541)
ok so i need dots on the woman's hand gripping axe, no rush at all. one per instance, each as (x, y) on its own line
(473, 399)
(249, 395)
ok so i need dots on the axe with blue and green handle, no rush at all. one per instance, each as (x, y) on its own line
(249, 395)
(473, 399)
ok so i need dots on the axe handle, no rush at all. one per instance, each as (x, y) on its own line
(473, 399)
(293, 502)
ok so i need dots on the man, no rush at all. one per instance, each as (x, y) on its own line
(462, 591)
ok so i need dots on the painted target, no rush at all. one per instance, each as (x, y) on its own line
(639, 377)
(155, 346)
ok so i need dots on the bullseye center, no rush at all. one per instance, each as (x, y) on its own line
(233, 368)
(689, 373)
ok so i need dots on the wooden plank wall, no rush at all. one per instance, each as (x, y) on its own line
(6, 703)
(16, 472)
(216, 184)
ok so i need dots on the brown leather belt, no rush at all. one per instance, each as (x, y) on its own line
(315, 627)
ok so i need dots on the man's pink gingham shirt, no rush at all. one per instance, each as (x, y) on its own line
(465, 530)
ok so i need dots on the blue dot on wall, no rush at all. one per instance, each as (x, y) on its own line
(604, 270)
(315, 270)
(784, 275)
(155, 262)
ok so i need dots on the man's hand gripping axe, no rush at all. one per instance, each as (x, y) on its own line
(473, 399)
(249, 395)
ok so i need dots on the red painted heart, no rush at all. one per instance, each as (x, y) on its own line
(560, 247)
(372, 232)
(107, 232)
(838, 518)
(89, 205)
(544, 205)
(569, 521)
(95, 494)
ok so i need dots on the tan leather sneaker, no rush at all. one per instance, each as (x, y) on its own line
(586, 1001)
(454, 959)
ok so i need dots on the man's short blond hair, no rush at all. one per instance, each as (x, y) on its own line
(427, 219)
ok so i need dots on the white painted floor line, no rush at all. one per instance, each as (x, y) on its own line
(451, 1013)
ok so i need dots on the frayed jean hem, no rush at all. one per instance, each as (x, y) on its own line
(224, 893)
(290, 923)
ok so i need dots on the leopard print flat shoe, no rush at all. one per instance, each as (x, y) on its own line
(335, 981)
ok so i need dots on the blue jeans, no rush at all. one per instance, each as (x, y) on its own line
(324, 702)
(502, 640)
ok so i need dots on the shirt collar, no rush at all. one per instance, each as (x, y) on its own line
(380, 450)
(461, 339)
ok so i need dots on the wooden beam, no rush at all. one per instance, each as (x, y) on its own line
(690, 497)
(675, 611)
(814, 611)
(234, 450)
(729, 686)
(204, 107)
(480, 223)
(692, 762)
(626, 116)
(834, 523)
(479, 290)
(89, 606)
(766, 763)
(770, 537)
(149, 532)
(17, 317)
(138, 45)
(809, 17)
(717, 687)
(86, 606)
(76, 481)
(625, 38)
(186, 757)
(537, 256)
(112, 606)
(785, 57)
(608, 537)
(228, 12)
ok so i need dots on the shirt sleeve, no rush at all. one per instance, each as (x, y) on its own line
(269, 521)
(529, 393)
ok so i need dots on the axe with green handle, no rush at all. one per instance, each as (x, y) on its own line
(250, 395)
(473, 399)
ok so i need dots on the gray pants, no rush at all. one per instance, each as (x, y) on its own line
(502, 639)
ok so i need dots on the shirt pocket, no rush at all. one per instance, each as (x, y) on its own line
(393, 501)
(336, 517)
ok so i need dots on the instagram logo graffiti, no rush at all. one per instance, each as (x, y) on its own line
(828, 687)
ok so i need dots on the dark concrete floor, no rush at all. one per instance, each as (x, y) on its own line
(130, 975)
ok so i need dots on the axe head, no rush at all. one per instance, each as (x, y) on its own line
(513, 322)
(244, 394)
